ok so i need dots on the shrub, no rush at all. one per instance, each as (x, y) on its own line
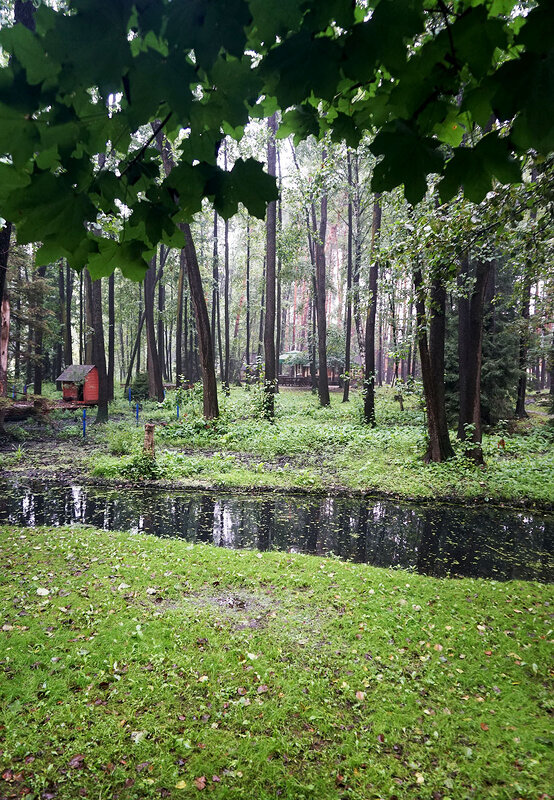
(139, 387)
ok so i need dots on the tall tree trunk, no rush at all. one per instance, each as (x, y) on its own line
(437, 339)
(18, 328)
(379, 375)
(409, 336)
(348, 331)
(186, 364)
(111, 335)
(39, 331)
(226, 310)
(369, 345)
(271, 235)
(155, 385)
(439, 447)
(210, 404)
(262, 321)
(141, 318)
(323, 382)
(161, 330)
(5, 237)
(278, 321)
(99, 351)
(247, 293)
(216, 307)
(313, 340)
(87, 334)
(394, 334)
(81, 318)
(215, 289)
(4, 342)
(357, 259)
(58, 364)
(121, 352)
(520, 411)
(550, 367)
(179, 321)
(68, 339)
(470, 338)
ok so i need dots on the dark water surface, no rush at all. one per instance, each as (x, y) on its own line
(440, 540)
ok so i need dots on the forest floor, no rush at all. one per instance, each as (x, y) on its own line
(134, 667)
(307, 449)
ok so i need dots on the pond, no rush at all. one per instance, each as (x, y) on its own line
(439, 540)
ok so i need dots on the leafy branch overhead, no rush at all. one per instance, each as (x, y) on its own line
(424, 77)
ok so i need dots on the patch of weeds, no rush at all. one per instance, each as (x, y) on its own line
(122, 440)
(103, 466)
(141, 467)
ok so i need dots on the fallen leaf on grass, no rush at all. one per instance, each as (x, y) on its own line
(77, 762)
(200, 782)
(484, 726)
(181, 785)
(262, 689)
(360, 696)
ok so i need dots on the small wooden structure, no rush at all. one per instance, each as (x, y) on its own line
(80, 384)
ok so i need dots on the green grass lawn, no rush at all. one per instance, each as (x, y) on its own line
(134, 667)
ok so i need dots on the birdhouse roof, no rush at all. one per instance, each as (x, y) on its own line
(75, 373)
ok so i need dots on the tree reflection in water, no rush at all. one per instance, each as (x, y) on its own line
(437, 540)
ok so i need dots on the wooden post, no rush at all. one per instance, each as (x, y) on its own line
(148, 448)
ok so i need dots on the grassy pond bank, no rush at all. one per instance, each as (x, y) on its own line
(307, 449)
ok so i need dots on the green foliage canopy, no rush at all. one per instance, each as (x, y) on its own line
(77, 119)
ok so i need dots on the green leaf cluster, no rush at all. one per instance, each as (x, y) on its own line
(426, 78)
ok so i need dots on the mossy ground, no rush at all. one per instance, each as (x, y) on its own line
(307, 448)
(139, 668)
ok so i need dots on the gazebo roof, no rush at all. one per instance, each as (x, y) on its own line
(75, 373)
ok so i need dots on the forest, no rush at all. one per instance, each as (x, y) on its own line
(276, 398)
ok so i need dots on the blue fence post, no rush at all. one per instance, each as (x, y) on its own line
(13, 393)
(25, 390)
(136, 413)
(84, 423)
(177, 410)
